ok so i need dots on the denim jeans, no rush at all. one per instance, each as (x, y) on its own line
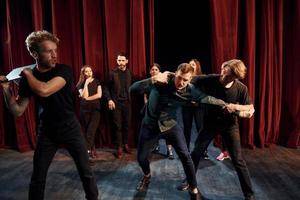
(149, 137)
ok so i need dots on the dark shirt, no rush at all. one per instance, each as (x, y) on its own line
(92, 89)
(237, 94)
(58, 108)
(165, 99)
(123, 96)
(117, 87)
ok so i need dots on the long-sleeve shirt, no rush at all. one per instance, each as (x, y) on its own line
(164, 99)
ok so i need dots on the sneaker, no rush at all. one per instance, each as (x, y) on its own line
(205, 156)
(156, 149)
(223, 156)
(170, 154)
(143, 184)
(184, 186)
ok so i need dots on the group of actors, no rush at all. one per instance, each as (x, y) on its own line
(214, 101)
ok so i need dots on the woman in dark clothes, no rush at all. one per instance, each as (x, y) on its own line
(90, 92)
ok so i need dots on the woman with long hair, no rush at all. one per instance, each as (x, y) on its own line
(90, 92)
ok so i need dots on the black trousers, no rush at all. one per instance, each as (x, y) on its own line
(89, 119)
(147, 140)
(231, 137)
(189, 113)
(47, 145)
(121, 117)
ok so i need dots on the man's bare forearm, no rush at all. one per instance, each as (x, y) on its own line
(11, 103)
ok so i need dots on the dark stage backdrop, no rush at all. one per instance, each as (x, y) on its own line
(264, 34)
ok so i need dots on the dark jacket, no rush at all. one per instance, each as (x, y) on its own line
(165, 99)
(113, 86)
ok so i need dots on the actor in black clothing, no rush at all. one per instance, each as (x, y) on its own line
(117, 95)
(51, 84)
(90, 92)
(192, 111)
(160, 119)
(227, 87)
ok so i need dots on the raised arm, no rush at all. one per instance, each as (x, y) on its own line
(44, 89)
(140, 87)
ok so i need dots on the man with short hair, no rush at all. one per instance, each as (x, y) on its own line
(173, 91)
(117, 95)
(51, 84)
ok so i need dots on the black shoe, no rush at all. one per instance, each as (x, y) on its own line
(170, 155)
(195, 196)
(156, 149)
(184, 186)
(205, 156)
(143, 184)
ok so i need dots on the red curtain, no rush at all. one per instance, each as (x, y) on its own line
(90, 31)
(259, 33)
(264, 34)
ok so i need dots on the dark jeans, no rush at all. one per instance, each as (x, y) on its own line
(231, 137)
(147, 140)
(121, 117)
(89, 120)
(188, 114)
(47, 145)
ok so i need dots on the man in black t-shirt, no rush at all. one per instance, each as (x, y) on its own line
(50, 83)
(227, 87)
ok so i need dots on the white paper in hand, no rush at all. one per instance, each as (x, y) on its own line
(14, 75)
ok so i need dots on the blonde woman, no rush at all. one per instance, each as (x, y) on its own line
(90, 92)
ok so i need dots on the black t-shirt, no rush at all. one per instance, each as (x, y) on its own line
(58, 108)
(237, 94)
(123, 96)
(92, 89)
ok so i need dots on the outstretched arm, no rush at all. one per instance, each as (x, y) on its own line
(244, 111)
(140, 87)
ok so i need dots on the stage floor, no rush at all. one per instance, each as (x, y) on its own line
(275, 174)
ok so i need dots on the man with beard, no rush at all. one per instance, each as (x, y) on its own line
(117, 95)
(173, 91)
(227, 87)
(51, 84)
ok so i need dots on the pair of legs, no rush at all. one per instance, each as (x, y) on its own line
(121, 117)
(231, 137)
(47, 145)
(89, 119)
(149, 137)
(189, 114)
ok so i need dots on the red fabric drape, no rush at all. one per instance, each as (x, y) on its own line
(264, 34)
(90, 32)
(254, 31)
(231, 40)
(290, 115)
